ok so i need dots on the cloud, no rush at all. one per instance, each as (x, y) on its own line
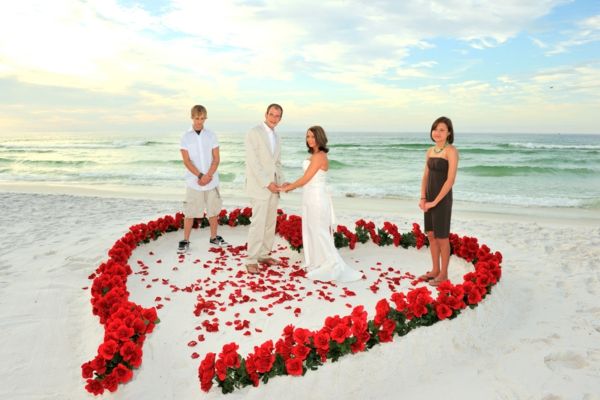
(539, 43)
(587, 31)
(319, 56)
(105, 45)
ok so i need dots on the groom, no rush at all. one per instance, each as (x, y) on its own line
(263, 177)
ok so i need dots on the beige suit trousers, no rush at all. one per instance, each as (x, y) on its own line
(261, 234)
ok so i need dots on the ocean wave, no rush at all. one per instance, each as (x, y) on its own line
(548, 146)
(521, 200)
(50, 146)
(128, 143)
(227, 177)
(593, 204)
(482, 150)
(49, 163)
(511, 170)
(11, 150)
(334, 164)
(406, 146)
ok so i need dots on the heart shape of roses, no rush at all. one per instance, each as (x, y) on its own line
(237, 312)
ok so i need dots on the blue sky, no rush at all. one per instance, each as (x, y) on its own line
(128, 66)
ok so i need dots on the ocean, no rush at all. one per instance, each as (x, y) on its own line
(547, 170)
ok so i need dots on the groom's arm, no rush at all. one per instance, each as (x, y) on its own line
(278, 166)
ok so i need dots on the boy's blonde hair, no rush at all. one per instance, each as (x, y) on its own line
(198, 110)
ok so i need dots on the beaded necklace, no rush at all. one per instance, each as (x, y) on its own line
(436, 151)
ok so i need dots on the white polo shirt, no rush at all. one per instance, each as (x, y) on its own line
(199, 148)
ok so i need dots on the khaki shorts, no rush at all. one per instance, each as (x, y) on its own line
(197, 201)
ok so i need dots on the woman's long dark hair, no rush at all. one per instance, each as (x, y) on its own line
(320, 138)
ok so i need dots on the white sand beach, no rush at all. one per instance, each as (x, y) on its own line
(537, 336)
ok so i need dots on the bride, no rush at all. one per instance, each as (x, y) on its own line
(322, 259)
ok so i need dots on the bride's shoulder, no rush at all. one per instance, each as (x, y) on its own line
(319, 158)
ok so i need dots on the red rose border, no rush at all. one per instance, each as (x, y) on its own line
(298, 350)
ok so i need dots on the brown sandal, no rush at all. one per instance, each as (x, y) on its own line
(437, 282)
(426, 277)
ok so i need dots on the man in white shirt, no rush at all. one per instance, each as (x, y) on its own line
(200, 154)
(263, 179)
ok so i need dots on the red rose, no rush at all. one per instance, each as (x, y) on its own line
(358, 311)
(382, 309)
(230, 356)
(399, 300)
(110, 382)
(301, 336)
(108, 349)
(264, 357)
(123, 373)
(99, 364)
(221, 370)
(294, 367)
(139, 326)
(150, 314)
(283, 348)
(87, 371)
(332, 322)
(443, 311)
(123, 333)
(340, 333)
(206, 371)
(474, 297)
(251, 369)
(300, 352)
(94, 386)
(418, 299)
(321, 340)
(359, 327)
(132, 354)
(358, 346)
(386, 333)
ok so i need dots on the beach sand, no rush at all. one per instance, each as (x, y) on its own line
(537, 336)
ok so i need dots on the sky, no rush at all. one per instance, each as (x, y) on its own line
(127, 66)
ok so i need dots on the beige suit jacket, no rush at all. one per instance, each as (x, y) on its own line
(262, 166)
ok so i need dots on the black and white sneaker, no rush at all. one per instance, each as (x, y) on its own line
(184, 246)
(218, 241)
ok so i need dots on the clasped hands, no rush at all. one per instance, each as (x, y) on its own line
(205, 180)
(274, 188)
(426, 205)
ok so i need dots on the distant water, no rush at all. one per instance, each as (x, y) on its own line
(506, 169)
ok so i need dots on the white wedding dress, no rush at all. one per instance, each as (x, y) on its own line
(322, 259)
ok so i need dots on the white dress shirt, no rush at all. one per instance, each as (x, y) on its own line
(271, 136)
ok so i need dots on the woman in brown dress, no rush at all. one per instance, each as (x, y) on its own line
(441, 162)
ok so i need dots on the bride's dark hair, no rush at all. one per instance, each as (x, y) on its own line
(320, 138)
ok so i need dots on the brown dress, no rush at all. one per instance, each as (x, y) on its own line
(437, 219)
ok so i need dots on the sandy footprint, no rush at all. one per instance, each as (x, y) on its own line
(547, 340)
(566, 267)
(592, 286)
(551, 397)
(567, 359)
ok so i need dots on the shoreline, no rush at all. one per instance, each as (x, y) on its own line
(376, 207)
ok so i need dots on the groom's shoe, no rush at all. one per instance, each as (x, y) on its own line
(269, 261)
